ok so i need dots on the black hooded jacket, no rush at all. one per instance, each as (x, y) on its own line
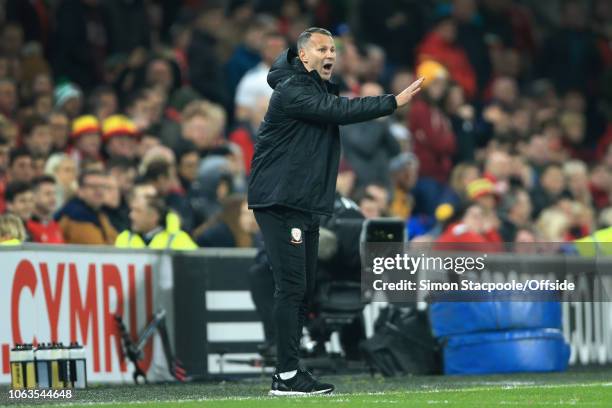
(298, 144)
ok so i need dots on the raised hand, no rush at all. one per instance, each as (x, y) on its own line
(406, 95)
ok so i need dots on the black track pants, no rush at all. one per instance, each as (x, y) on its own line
(291, 239)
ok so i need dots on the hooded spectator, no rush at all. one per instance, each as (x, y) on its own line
(213, 184)
(227, 228)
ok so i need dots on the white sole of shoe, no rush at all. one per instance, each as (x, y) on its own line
(278, 393)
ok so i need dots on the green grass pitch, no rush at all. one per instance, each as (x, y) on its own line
(578, 387)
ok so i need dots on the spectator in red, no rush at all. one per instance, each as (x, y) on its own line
(482, 191)
(41, 226)
(433, 138)
(470, 233)
(439, 45)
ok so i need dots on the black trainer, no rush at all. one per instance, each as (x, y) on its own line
(303, 383)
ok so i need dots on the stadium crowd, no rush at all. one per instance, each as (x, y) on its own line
(132, 123)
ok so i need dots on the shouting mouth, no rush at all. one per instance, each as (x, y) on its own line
(327, 68)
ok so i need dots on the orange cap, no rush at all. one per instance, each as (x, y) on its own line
(430, 70)
(480, 187)
(118, 125)
(85, 124)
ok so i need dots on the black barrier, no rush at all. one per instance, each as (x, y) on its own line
(198, 277)
(203, 279)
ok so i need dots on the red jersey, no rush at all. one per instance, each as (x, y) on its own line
(45, 232)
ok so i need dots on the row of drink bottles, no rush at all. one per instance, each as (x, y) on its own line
(48, 365)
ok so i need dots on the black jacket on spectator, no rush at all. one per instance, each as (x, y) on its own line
(205, 73)
(80, 42)
(298, 145)
(368, 147)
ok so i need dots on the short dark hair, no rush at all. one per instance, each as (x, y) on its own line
(362, 194)
(186, 147)
(36, 183)
(3, 140)
(83, 176)
(32, 122)
(17, 153)
(14, 188)
(305, 36)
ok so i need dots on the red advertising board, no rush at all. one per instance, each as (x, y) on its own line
(74, 295)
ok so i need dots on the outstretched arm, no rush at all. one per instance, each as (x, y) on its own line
(307, 103)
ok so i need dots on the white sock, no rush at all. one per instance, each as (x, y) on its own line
(287, 374)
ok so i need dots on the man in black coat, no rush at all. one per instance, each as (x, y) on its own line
(293, 180)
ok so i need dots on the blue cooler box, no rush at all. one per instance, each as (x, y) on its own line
(449, 318)
(506, 352)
